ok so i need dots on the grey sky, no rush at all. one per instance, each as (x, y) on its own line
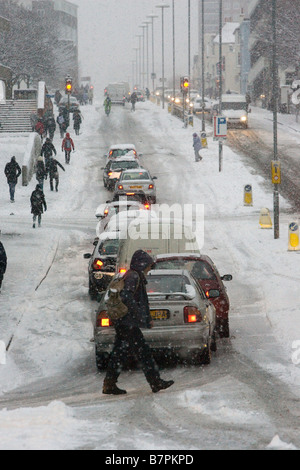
(107, 31)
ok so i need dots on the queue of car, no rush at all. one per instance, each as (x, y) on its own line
(188, 301)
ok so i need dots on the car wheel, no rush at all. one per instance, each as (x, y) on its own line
(93, 293)
(104, 182)
(213, 346)
(200, 357)
(101, 360)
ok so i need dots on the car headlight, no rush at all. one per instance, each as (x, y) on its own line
(244, 118)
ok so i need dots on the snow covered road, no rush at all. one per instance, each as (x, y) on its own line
(249, 393)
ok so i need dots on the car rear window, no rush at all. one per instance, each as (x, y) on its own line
(167, 284)
(124, 165)
(109, 247)
(119, 152)
(138, 175)
(199, 269)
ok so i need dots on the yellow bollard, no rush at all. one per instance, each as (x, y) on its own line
(203, 140)
(294, 244)
(248, 198)
(169, 108)
(265, 219)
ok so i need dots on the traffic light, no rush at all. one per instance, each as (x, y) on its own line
(185, 84)
(69, 85)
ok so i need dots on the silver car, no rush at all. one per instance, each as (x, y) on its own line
(184, 319)
(136, 182)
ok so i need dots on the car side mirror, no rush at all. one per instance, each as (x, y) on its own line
(105, 155)
(227, 277)
(87, 256)
(140, 154)
(95, 242)
(154, 177)
(249, 110)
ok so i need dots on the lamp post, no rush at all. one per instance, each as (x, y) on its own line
(174, 85)
(202, 71)
(163, 6)
(189, 43)
(275, 122)
(136, 69)
(152, 16)
(143, 63)
(147, 23)
(220, 77)
(140, 58)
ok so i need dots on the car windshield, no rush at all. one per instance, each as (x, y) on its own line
(124, 165)
(136, 175)
(199, 269)
(109, 247)
(234, 106)
(167, 284)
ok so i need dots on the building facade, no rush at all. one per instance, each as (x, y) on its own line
(65, 16)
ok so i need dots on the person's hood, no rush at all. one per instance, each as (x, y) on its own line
(140, 261)
(68, 135)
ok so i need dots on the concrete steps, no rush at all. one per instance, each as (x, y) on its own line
(15, 115)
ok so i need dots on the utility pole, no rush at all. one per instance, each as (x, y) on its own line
(203, 82)
(220, 78)
(275, 123)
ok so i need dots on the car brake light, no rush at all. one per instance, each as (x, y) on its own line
(120, 186)
(122, 271)
(98, 264)
(147, 206)
(110, 173)
(192, 315)
(102, 320)
(151, 186)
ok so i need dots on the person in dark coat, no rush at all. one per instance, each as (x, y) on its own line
(77, 121)
(129, 336)
(38, 204)
(12, 172)
(53, 173)
(3, 263)
(197, 144)
(51, 127)
(40, 172)
(47, 152)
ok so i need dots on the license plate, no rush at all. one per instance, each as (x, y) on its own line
(160, 314)
(136, 187)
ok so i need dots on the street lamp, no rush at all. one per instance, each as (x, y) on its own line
(152, 16)
(136, 59)
(146, 23)
(140, 58)
(143, 36)
(275, 117)
(163, 6)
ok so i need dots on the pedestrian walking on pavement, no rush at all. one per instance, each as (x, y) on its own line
(12, 172)
(53, 173)
(197, 144)
(129, 337)
(67, 147)
(62, 124)
(40, 172)
(3, 263)
(38, 205)
(47, 152)
(77, 121)
(51, 127)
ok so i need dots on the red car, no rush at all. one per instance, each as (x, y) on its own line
(207, 275)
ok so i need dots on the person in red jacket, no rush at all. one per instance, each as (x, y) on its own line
(67, 146)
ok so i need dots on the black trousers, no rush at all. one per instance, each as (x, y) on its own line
(128, 341)
(1, 279)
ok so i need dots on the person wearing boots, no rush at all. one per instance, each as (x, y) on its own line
(38, 204)
(129, 336)
(3, 263)
(53, 173)
(12, 172)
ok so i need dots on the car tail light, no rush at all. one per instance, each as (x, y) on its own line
(122, 271)
(151, 186)
(120, 186)
(110, 173)
(102, 320)
(192, 315)
(147, 206)
(98, 264)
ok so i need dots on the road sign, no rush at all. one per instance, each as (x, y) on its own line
(220, 128)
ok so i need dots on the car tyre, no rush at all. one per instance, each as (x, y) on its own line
(93, 293)
(101, 360)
